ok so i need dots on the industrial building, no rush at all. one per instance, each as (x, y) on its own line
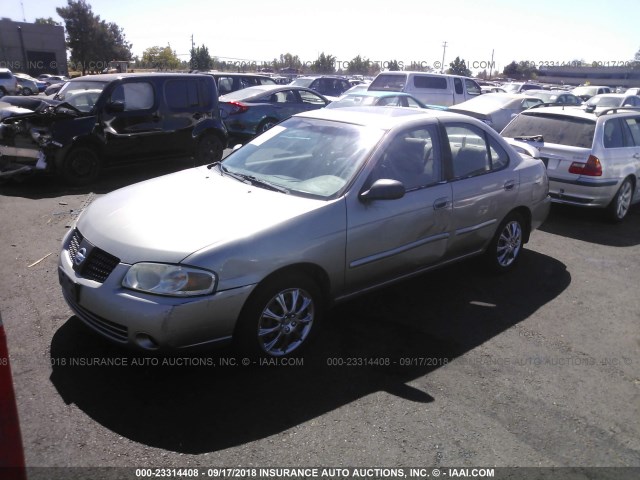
(32, 48)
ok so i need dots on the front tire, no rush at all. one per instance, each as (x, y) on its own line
(81, 166)
(505, 247)
(280, 317)
(621, 203)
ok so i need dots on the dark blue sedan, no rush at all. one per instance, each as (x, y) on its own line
(251, 111)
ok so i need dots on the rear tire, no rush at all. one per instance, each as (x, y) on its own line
(503, 252)
(621, 203)
(265, 125)
(81, 166)
(209, 149)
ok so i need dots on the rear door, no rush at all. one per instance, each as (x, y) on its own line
(484, 187)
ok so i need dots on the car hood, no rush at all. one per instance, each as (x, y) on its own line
(168, 218)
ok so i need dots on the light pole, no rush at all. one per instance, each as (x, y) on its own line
(444, 49)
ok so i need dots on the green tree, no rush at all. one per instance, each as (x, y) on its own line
(161, 58)
(359, 66)
(394, 66)
(92, 41)
(200, 59)
(324, 64)
(459, 67)
(46, 21)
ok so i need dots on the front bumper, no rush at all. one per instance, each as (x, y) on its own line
(20, 161)
(149, 322)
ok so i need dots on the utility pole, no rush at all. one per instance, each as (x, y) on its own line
(491, 64)
(444, 49)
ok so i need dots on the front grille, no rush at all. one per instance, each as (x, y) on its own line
(98, 264)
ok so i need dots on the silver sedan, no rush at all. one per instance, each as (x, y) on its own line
(324, 206)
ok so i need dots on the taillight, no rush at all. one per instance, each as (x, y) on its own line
(592, 168)
(237, 107)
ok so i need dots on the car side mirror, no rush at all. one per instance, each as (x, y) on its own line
(116, 106)
(384, 189)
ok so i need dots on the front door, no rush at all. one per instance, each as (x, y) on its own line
(387, 239)
(132, 122)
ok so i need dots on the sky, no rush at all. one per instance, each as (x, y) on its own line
(542, 31)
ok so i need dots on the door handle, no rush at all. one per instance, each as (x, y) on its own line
(441, 203)
(509, 185)
(155, 117)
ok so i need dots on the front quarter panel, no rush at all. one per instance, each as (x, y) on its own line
(315, 238)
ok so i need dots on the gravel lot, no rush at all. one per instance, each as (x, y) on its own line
(540, 367)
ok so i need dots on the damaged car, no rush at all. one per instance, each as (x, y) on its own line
(107, 120)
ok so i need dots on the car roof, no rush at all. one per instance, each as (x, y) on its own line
(579, 112)
(378, 93)
(385, 118)
(108, 77)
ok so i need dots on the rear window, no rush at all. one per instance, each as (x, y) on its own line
(427, 81)
(558, 129)
(395, 83)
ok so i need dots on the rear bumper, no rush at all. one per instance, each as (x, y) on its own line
(583, 191)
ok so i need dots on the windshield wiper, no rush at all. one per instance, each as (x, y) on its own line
(250, 179)
(532, 138)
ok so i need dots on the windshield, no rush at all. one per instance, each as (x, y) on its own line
(354, 100)
(305, 156)
(393, 82)
(512, 87)
(81, 94)
(302, 82)
(604, 101)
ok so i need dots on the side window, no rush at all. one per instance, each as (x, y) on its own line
(634, 128)
(468, 151)
(458, 85)
(389, 102)
(225, 85)
(430, 81)
(310, 98)
(412, 157)
(412, 103)
(613, 134)
(136, 95)
(472, 87)
(530, 102)
(181, 94)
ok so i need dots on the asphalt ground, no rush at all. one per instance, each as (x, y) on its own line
(539, 367)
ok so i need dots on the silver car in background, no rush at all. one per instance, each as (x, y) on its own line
(593, 158)
(324, 206)
(496, 109)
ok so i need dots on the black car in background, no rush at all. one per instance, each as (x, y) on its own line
(327, 85)
(113, 119)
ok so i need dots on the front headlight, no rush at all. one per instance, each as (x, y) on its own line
(173, 280)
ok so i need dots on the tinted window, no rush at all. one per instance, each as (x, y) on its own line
(616, 134)
(458, 85)
(634, 129)
(383, 81)
(428, 81)
(5, 75)
(225, 85)
(563, 130)
(181, 93)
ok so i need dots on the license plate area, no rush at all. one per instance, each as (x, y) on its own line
(70, 288)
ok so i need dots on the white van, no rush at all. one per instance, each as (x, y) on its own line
(431, 88)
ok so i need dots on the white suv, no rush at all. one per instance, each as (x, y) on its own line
(592, 159)
(8, 83)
